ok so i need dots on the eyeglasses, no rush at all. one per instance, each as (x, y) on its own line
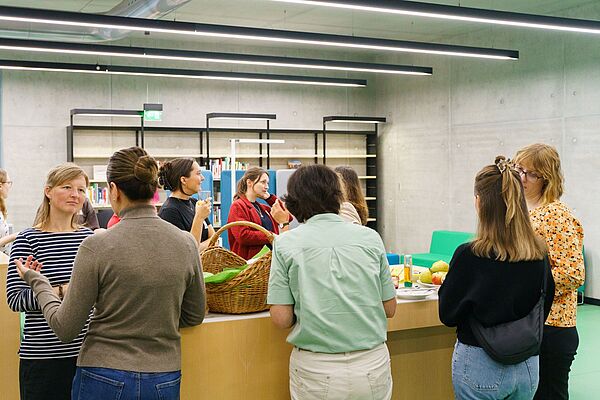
(8, 183)
(527, 175)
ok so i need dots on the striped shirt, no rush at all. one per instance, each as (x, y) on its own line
(56, 251)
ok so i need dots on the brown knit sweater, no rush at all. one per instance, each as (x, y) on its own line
(144, 280)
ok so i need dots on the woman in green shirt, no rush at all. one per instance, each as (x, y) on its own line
(331, 282)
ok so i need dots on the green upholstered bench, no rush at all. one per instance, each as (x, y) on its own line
(442, 247)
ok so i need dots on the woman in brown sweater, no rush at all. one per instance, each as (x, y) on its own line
(133, 344)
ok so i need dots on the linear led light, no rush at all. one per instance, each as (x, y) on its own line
(355, 120)
(177, 73)
(203, 56)
(269, 141)
(462, 14)
(238, 32)
(93, 112)
(241, 116)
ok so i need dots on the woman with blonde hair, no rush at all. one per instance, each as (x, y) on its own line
(274, 217)
(353, 194)
(540, 170)
(133, 347)
(5, 185)
(47, 366)
(496, 278)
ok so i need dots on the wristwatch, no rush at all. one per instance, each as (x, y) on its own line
(284, 225)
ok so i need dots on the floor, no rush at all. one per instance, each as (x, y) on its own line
(584, 382)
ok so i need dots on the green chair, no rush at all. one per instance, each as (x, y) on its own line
(442, 247)
(22, 318)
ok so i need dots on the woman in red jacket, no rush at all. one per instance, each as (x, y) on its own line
(254, 185)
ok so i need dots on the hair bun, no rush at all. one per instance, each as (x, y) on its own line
(146, 170)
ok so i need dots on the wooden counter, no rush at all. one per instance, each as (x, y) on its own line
(246, 357)
(229, 357)
(9, 341)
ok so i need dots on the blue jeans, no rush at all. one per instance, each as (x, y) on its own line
(114, 384)
(475, 376)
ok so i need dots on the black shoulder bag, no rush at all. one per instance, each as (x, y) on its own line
(515, 341)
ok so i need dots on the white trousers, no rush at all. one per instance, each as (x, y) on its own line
(357, 375)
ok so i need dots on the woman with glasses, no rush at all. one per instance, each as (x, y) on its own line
(183, 177)
(5, 185)
(541, 174)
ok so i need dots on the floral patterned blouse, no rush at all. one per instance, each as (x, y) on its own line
(563, 234)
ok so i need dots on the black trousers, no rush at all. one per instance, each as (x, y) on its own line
(50, 379)
(559, 347)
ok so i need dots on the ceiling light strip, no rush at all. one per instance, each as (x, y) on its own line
(178, 73)
(188, 28)
(203, 56)
(462, 14)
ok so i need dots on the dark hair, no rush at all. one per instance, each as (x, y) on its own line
(170, 173)
(353, 192)
(504, 230)
(254, 174)
(312, 190)
(134, 172)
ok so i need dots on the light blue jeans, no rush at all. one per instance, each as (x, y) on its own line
(114, 384)
(475, 376)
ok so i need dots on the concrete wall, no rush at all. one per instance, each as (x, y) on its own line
(443, 129)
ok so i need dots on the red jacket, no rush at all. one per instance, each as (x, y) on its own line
(244, 240)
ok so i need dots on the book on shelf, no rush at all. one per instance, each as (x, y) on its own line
(98, 195)
(218, 165)
(216, 215)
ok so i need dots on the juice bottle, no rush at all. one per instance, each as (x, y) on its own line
(407, 270)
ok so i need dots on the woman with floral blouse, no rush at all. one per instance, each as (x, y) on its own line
(540, 170)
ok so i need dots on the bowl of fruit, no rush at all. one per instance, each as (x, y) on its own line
(434, 276)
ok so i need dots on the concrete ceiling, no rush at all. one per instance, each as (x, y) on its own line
(278, 15)
(272, 14)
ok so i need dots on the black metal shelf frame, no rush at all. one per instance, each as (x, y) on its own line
(371, 144)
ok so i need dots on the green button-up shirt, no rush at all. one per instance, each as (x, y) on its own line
(336, 275)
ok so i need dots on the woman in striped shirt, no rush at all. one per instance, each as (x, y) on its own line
(47, 365)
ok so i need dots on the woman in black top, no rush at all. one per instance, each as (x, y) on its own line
(496, 278)
(183, 177)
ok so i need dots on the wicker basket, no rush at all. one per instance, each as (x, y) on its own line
(245, 293)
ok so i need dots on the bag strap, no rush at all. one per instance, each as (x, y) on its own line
(544, 275)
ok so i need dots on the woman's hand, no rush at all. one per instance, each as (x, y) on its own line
(279, 212)
(203, 208)
(30, 263)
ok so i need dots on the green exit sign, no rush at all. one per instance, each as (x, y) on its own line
(151, 115)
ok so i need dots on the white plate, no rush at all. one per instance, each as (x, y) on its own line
(427, 285)
(413, 293)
